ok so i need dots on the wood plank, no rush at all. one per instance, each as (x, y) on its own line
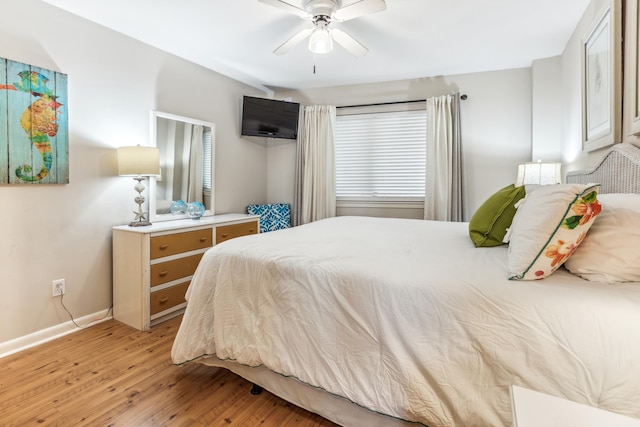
(112, 374)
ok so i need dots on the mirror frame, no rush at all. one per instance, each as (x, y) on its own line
(153, 215)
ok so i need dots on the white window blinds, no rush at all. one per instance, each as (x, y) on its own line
(381, 156)
(207, 179)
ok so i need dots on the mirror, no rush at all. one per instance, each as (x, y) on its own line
(187, 153)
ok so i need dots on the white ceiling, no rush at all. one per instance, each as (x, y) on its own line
(411, 39)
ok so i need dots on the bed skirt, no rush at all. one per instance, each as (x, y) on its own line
(334, 408)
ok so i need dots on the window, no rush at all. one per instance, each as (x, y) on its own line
(381, 156)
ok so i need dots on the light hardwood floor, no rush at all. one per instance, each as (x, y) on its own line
(113, 375)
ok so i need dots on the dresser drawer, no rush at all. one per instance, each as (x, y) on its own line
(167, 271)
(167, 298)
(172, 244)
(226, 232)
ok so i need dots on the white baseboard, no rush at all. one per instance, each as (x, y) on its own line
(57, 331)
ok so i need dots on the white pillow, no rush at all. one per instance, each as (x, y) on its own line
(548, 226)
(611, 251)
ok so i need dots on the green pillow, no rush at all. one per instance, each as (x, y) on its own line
(490, 222)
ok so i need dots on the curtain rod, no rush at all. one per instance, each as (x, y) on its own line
(462, 97)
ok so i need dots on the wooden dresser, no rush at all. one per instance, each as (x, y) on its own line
(153, 266)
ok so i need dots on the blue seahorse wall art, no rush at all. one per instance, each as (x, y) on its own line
(34, 130)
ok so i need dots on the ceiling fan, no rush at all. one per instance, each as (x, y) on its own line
(321, 13)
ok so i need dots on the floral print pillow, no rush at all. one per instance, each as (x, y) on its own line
(548, 227)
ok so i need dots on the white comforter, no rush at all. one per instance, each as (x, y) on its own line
(408, 318)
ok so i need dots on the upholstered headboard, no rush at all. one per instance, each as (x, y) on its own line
(617, 172)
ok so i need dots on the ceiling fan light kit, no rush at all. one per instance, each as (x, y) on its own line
(321, 13)
(320, 40)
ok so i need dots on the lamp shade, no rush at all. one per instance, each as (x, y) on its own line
(138, 161)
(320, 41)
(538, 173)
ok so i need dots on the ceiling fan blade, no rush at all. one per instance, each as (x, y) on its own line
(359, 8)
(349, 43)
(288, 7)
(284, 47)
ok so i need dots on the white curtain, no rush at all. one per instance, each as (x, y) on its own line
(195, 178)
(169, 163)
(443, 185)
(315, 186)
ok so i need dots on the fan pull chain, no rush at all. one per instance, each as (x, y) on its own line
(314, 63)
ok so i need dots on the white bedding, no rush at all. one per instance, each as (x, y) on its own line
(408, 318)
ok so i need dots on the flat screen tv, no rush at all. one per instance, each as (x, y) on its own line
(269, 118)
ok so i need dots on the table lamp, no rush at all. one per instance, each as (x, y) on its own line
(139, 162)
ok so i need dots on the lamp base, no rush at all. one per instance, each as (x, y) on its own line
(141, 217)
(139, 223)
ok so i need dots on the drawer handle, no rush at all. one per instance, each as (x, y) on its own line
(163, 273)
(225, 235)
(251, 230)
(203, 239)
(163, 300)
(164, 246)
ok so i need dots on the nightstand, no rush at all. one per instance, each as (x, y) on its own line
(534, 409)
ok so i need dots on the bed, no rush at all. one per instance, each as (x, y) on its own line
(391, 322)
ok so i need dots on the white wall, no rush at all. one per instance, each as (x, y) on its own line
(281, 160)
(64, 231)
(572, 156)
(496, 124)
(546, 133)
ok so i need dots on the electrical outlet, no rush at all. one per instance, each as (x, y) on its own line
(57, 287)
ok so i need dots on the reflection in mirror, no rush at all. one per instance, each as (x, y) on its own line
(187, 149)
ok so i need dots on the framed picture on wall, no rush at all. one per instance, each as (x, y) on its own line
(34, 142)
(631, 112)
(602, 79)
